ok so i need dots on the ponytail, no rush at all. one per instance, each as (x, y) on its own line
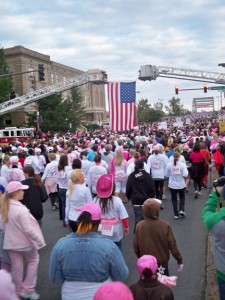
(70, 188)
(176, 157)
(175, 161)
(84, 223)
(4, 204)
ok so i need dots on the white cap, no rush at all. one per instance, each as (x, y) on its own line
(14, 148)
(14, 159)
(37, 150)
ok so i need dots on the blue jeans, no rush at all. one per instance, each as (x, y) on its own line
(137, 214)
(62, 196)
(120, 245)
(221, 285)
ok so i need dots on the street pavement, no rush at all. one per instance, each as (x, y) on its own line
(191, 238)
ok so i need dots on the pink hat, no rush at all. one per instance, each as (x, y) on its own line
(156, 148)
(7, 288)
(147, 262)
(113, 290)
(14, 186)
(104, 187)
(94, 209)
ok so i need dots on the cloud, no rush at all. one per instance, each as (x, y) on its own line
(120, 36)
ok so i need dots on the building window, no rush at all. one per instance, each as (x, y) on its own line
(31, 71)
(64, 80)
(52, 78)
(57, 78)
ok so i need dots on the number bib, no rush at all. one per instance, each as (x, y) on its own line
(95, 177)
(176, 170)
(156, 164)
(120, 174)
(106, 229)
(62, 174)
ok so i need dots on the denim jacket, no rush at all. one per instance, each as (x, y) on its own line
(86, 257)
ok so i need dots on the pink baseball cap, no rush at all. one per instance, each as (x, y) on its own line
(94, 209)
(7, 287)
(113, 290)
(104, 187)
(14, 186)
(147, 262)
(156, 148)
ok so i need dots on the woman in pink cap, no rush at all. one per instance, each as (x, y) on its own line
(114, 222)
(23, 237)
(84, 261)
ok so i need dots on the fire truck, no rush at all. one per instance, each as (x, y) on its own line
(10, 134)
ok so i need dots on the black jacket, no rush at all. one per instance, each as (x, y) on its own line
(140, 187)
(33, 198)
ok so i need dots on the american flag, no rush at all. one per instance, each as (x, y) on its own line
(122, 107)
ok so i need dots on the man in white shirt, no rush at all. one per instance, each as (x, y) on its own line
(157, 164)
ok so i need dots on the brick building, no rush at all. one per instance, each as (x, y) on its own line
(21, 59)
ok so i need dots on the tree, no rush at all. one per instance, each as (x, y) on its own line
(175, 108)
(158, 106)
(73, 108)
(5, 81)
(142, 110)
(146, 113)
(62, 115)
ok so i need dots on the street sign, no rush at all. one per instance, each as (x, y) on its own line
(222, 87)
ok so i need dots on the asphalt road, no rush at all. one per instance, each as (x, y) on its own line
(191, 238)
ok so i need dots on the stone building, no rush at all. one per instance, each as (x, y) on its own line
(21, 60)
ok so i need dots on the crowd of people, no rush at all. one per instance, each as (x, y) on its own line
(89, 177)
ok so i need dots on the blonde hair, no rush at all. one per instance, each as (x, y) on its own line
(4, 205)
(6, 158)
(52, 156)
(118, 158)
(75, 177)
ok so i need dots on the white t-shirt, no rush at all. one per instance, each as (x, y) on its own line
(80, 196)
(176, 175)
(114, 216)
(80, 289)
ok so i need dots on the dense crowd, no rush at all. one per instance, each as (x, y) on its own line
(88, 177)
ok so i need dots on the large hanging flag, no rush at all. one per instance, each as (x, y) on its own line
(122, 107)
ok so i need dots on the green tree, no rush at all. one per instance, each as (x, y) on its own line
(74, 110)
(5, 81)
(58, 114)
(158, 106)
(175, 107)
(142, 110)
(146, 113)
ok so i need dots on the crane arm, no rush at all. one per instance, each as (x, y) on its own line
(150, 72)
(93, 76)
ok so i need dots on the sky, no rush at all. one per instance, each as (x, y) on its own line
(119, 36)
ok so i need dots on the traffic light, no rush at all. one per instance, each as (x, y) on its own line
(176, 90)
(205, 87)
(12, 95)
(41, 71)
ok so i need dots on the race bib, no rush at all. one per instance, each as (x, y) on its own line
(106, 229)
(156, 164)
(176, 170)
(95, 177)
(120, 174)
(62, 174)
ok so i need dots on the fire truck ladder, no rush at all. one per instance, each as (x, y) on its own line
(92, 76)
(150, 72)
